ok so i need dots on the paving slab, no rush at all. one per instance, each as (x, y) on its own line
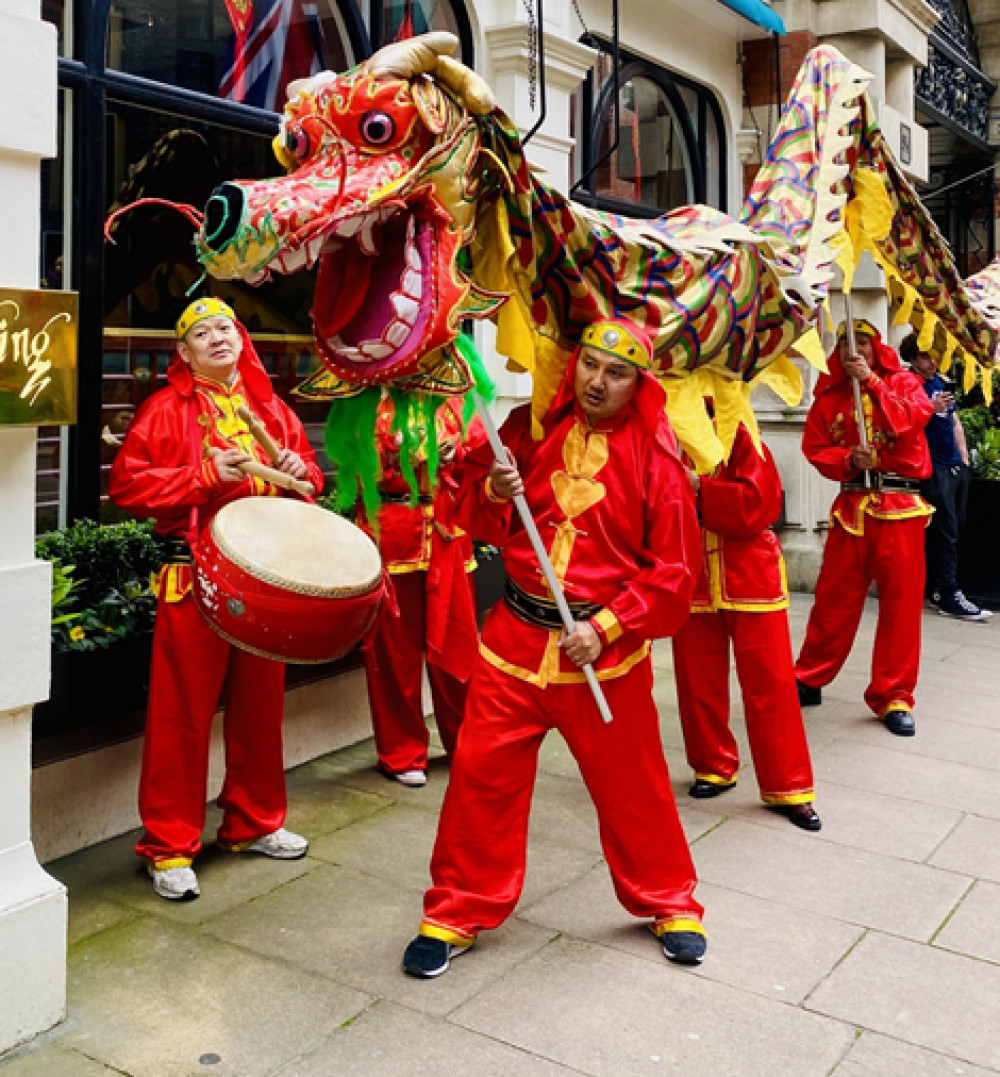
(774, 951)
(853, 885)
(973, 848)
(151, 999)
(352, 928)
(918, 994)
(944, 739)
(878, 1056)
(48, 1060)
(390, 1041)
(910, 775)
(606, 1012)
(974, 929)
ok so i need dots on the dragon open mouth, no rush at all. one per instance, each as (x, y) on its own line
(374, 291)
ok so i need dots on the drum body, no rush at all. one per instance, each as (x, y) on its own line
(287, 580)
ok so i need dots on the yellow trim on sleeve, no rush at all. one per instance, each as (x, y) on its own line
(173, 862)
(677, 923)
(608, 625)
(805, 797)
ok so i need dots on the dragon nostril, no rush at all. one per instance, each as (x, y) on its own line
(223, 214)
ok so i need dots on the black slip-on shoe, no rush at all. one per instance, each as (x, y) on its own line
(809, 696)
(900, 721)
(701, 789)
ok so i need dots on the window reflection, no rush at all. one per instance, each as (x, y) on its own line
(241, 50)
(651, 165)
(406, 18)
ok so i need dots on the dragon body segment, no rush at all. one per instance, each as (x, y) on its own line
(409, 188)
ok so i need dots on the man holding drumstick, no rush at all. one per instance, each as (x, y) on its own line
(188, 453)
(616, 514)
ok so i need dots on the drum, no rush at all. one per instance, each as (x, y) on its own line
(287, 580)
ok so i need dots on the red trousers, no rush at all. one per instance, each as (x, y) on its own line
(763, 652)
(478, 864)
(394, 659)
(890, 552)
(190, 662)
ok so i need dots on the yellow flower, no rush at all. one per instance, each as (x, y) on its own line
(76, 633)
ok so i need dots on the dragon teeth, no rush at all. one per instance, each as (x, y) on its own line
(366, 237)
(412, 283)
(406, 308)
(397, 334)
(372, 349)
(346, 229)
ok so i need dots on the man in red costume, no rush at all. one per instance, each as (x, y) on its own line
(741, 598)
(876, 527)
(609, 495)
(430, 561)
(180, 463)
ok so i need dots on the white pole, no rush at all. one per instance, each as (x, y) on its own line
(852, 347)
(500, 453)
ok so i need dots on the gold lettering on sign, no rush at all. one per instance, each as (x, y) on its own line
(29, 348)
(38, 349)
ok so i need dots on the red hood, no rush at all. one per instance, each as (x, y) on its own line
(648, 405)
(250, 367)
(886, 362)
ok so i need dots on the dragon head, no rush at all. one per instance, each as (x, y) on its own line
(383, 175)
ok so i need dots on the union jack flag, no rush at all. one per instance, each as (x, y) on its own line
(282, 42)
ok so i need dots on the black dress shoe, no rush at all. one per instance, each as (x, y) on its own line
(900, 721)
(808, 696)
(802, 815)
(703, 790)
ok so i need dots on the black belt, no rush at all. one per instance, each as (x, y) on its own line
(884, 482)
(176, 551)
(406, 499)
(543, 612)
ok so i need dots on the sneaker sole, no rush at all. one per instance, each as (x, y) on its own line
(280, 855)
(683, 960)
(972, 618)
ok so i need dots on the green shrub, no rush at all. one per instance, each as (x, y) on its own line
(100, 582)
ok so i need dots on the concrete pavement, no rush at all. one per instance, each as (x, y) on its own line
(871, 948)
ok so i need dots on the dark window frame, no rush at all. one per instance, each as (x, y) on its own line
(596, 107)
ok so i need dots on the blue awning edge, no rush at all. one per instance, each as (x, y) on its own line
(757, 12)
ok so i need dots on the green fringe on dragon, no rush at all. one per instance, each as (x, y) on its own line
(408, 187)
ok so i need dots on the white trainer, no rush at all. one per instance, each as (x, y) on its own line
(174, 884)
(280, 844)
(415, 778)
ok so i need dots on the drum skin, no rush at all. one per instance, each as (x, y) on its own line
(252, 602)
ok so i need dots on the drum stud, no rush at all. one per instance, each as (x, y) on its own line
(236, 607)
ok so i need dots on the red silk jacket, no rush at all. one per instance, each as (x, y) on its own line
(163, 469)
(896, 411)
(616, 513)
(744, 569)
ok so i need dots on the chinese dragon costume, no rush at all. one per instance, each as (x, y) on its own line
(408, 189)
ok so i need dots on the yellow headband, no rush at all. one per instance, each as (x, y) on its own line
(615, 338)
(200, 309)
(862, 328)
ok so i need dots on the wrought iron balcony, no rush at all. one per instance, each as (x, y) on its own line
(952, 85)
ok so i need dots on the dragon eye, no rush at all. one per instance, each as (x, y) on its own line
(297, 142)
(378, 128)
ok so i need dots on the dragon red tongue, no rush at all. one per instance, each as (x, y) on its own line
(342, 285)
(353, 290)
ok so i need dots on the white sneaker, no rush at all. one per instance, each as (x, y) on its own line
(280, 844)
(415, 778)
(174, 884)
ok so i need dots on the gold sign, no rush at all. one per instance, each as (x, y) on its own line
(38, 345)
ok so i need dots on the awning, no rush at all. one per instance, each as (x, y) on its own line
(757, 12)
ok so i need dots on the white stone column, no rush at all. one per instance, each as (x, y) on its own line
(32, 903)
(567, 63)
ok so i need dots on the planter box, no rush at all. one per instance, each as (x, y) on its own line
(978, 564)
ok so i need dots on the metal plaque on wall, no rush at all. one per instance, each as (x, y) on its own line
(38, 349)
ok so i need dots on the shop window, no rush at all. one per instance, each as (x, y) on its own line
(395, 19)
(241, 50)
(663, 147)
(151, 270)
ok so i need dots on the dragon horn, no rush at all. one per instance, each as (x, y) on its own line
(412, 57)
(429, 54)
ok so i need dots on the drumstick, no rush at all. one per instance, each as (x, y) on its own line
(277, 478)
(259, 433)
